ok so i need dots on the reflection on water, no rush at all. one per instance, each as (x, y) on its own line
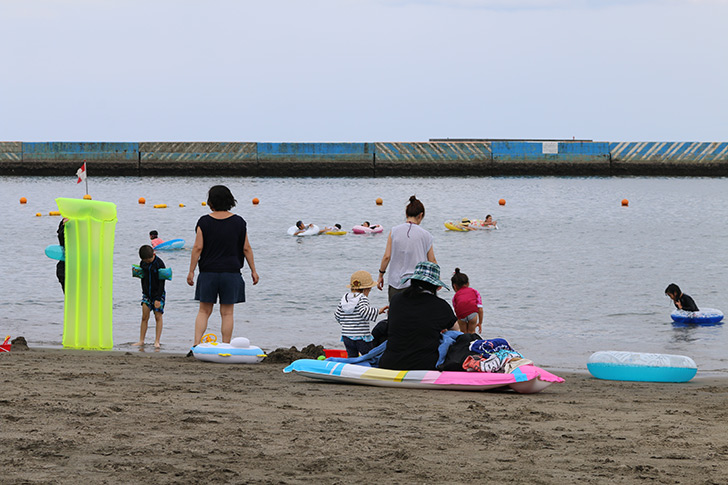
(569, 272)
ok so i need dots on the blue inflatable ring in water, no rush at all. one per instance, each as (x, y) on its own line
(706, 316)
(171, 244)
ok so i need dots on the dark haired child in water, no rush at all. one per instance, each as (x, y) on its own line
(680, 299)
(301, 227)
(154, 238)
(152, 293)
(467, 303)
(488, 221)
(334, 228)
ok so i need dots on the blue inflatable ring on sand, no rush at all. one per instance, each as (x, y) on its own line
(706, 316)
(614, 365)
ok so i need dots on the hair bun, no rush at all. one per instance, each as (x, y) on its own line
(412, 199)
(457, 270)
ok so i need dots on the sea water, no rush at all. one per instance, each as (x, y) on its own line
(570, 271)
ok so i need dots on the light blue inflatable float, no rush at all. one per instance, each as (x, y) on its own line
(706, 316)
(614, 365)
(56, 251)
(170, 245)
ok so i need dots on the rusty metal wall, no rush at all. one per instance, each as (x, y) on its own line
(208, 158)
(432, 158)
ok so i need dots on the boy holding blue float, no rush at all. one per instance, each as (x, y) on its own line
(153, 293)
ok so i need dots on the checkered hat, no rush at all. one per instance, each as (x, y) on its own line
(427, 271)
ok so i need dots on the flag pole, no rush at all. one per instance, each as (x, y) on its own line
(86, 178)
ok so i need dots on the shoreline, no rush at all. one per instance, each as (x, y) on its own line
(151, 352)
(163, 418)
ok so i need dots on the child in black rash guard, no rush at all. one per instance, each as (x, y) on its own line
(680, 299)
(152, 293)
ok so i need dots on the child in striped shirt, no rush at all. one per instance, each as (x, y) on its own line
(354, 314)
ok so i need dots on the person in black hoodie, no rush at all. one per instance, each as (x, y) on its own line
(61, 266)
(152, 293)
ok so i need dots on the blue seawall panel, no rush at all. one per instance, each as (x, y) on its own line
(557, 158)
(204, 157)
(322, 159)
(432, 158)
(669, 158)
(100, 157)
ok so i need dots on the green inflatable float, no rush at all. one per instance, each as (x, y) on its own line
(89, 241)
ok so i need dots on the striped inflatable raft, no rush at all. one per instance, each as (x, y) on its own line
(526, 379)
(614, 365)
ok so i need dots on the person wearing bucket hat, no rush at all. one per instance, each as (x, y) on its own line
(355, 315)
(427, 272)
(417, 317)
(407, 244)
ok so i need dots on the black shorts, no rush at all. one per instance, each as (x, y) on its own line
(230, 287)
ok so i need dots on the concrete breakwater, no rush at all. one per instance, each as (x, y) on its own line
(434, 158)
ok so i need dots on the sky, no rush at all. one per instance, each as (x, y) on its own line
(363, 70)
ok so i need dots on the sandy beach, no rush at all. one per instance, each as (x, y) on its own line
(142, 417)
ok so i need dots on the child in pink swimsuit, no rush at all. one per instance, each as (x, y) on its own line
(467, 304)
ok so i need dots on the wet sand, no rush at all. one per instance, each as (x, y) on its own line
(115, 417)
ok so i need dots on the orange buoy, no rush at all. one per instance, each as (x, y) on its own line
(86, 197)
(54, 213)
(142, 200)
(502, 202)
(204, 203)
(160, 206)
(625, 202)
(379, 201)
(256, 201)
(181, 204)
(23, 200)
(38, 214)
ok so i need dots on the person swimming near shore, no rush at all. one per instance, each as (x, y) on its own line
(680, 299)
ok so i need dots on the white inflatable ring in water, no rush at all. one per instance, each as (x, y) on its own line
(311, 231)
(614, 365)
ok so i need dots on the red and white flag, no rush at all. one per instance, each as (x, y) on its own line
(81, 172)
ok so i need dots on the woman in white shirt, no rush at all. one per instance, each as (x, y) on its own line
(407, 245)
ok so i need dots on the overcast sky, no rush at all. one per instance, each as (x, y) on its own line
(358, 70)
